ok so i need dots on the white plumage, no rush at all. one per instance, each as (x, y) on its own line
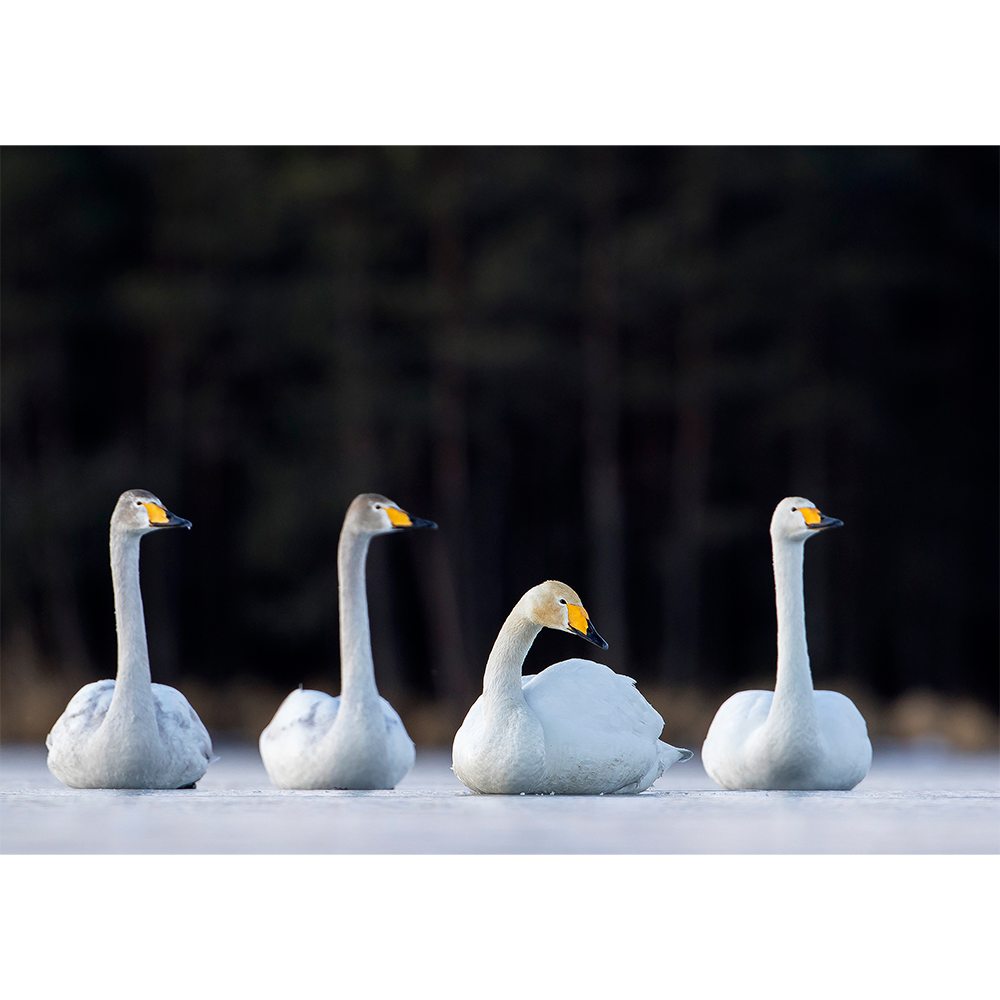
(576, 728)
(313, 742)
(792, 737)
(355, 740)
(129, 732)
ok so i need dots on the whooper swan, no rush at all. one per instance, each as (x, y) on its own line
(356, 740)
(129, 732)
(576, 728)
(792, 737)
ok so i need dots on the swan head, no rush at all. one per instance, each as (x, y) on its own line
(374, 514)
(138, 512)
(795, 519)
(554, 605)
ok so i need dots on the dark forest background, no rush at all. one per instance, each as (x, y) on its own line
(600, 365)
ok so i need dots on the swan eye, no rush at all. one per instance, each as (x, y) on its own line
(562, 600)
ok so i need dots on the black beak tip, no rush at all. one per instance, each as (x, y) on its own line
(594, 637)
(826, 522)
(419, 522)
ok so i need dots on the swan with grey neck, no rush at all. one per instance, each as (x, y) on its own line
(129, 732)
(355, 740)
(792, 737)
(576, 728)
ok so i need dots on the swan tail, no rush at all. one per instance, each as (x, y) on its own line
(673, 755)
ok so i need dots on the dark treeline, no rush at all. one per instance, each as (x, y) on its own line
(604, 366)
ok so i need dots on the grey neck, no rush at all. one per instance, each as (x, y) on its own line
(793, 688)
(133, 694)
(502, 681)
(357, 669)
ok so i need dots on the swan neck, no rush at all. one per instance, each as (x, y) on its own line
(502, 681)
(357, 669)
(133, 694)
(793, 689)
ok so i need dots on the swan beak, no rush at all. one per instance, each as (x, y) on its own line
(580, 624)
(419, 522)
(825, 522)
(815, 520)
(400, 519)
(160, 517)
(592, 636)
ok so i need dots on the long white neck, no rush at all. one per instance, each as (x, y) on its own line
(132, 700)
(502, 682)
(357, 669)
(793, 689)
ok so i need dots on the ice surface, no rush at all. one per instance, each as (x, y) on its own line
(916, 800)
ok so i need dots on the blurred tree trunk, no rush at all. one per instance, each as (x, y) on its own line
(491, 496)
(973, 604)
(446, 571)
(211, 452)
(690, 462)
(53, 492)
(604, 509)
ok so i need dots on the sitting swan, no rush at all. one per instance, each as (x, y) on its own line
(577, 728)
(792, 737)
(129, 732)
(356, 740)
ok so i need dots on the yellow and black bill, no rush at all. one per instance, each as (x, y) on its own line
(400, 519)
(814, 519)
(160, 517)
(580, 623)
(591, 635)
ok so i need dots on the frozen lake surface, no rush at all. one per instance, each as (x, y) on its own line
(916, 800)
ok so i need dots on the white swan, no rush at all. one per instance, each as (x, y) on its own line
(356, 740)
(129, 732)
(792, 737)
(577, 728)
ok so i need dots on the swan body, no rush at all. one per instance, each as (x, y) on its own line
(792, 737)
(355, 740)
(129, 732)
(576, 728)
